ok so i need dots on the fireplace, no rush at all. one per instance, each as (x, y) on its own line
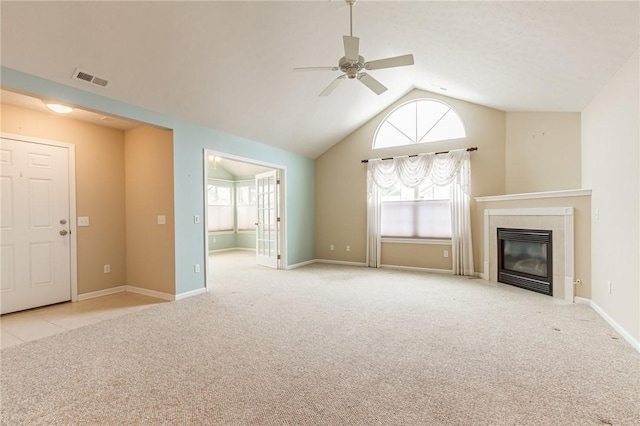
(525, 259)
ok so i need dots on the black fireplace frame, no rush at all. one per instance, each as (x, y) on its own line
(521, 279)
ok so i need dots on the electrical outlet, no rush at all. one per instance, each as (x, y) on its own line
(332, 247)
(446, 253)
(214, 239)
(348, 248)
(196, 268)
(609, 286)
(107, 269)
(597, 214)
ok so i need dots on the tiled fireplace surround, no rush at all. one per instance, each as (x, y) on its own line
(560, 220)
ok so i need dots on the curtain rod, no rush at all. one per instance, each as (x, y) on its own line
(473, 148)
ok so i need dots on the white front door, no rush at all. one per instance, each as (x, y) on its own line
(35, 250)
(267, 232)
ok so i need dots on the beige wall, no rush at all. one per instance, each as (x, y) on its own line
(610, 167)
(430, 256)
(542, 151)
(581, 229)
(149, 193)
(341, 178)
(99, 190)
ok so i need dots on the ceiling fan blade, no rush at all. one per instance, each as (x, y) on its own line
(316, 69)
(351, 47)
(396, 61)
(372, 83)
(330, 88)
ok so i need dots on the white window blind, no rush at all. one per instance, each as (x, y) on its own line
(422, 212)
(219, 206)
(416, 219)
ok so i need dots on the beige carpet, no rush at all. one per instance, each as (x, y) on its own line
(331, 345)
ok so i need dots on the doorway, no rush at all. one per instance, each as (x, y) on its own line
(244, 211)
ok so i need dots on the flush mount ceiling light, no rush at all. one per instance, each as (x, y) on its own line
(59, 108)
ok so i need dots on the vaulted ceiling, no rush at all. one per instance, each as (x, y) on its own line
(228, 65)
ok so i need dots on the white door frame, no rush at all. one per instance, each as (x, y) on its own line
(73, 248)
(282, 229)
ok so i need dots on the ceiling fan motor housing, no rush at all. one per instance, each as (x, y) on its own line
(351, 68)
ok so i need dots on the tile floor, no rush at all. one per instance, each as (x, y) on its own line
(34, 324)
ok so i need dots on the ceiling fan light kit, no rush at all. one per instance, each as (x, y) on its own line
(352, 64)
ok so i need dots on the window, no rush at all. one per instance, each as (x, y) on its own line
(246, 205)
(419, 121)
(220, 206)
(422, 212)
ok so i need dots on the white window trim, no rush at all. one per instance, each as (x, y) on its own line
(236, 184)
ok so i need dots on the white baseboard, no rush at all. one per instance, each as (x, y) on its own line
(617, 327)
(340, 262)
(232, 249)
(406, 268)
(100, 293)
(418, 269)
(582, 300)
(301, 264)
(190, 293)
(140, 290)
(152, 293)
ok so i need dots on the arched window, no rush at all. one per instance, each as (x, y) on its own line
(419, 121)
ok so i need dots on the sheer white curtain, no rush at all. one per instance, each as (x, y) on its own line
(442, 169)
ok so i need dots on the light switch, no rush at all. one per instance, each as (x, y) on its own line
(196, 219)
(162, 219)
(83, 220)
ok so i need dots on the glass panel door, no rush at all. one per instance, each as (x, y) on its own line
(267, 225)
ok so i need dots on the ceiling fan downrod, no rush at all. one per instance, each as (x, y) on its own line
(350, 3)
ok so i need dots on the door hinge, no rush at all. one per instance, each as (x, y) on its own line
(278, 182)
(278, 257)
(278, 219)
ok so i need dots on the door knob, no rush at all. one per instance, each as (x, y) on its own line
(64, 232)
(63, 221)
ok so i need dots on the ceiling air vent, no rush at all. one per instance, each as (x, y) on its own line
(90, 78)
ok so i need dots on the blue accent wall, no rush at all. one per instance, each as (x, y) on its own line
(188, 144)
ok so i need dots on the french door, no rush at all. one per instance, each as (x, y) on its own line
(35, 252)
(267, 232)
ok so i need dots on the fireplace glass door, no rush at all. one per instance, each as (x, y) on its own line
(526, 257)
(525, 260)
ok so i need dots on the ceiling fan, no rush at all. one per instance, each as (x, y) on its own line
(354, 66)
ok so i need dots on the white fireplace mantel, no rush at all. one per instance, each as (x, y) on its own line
(536, 195)
(566, 212)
